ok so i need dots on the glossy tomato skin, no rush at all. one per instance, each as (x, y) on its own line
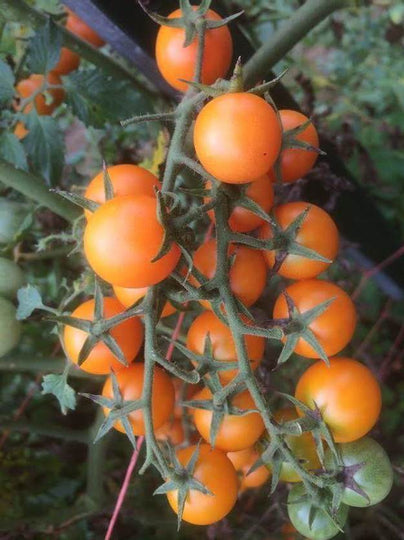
(128, 297)
(243, 460)
(121, 239)
(79, 28)
(27, 87)
(334, 328)
(223, 346)
(178, 62)
(321, 527)
(130, 381)
(235, 432)
(10, 328)
(216, 472)
(296, 162)
(347, 394)
(247, 262)
(126, 179)
(318, 232)
(375, 477)
(68, 62)
(237, 137)
(260, 191)
(100, 361)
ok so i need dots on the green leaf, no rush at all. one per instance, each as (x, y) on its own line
(45, 147)
(44, 49)
(12, 151)
(96, 97)
(29, 300)
(6, 83)
(57, 385)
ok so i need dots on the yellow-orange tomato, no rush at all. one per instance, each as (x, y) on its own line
(247, 263)
(26, 87)
(127, 334)
(178, 62)
(334, 328)
(215, 471)
(318, 232)
(20, 131)
(261, 191)
(347, 394)
(128, 297)
(302, 446)
(296, 162)
(223, 346)
(79, 28)
(122, 238)
(171, 431)
(126, 179)
(68, 61)
(243, 460)
(130, 382)
(237, 137)
(235, 432)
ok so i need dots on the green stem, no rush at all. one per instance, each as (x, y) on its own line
(46, 431)
(41, 365)
(34, 188)
(20, 11)
(287, 36)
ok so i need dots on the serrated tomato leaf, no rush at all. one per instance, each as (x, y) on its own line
(12, 151)
(57, 385)
(29, 300)
(6, 83)
(44, 48)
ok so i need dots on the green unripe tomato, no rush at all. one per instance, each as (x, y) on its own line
(322, 528)
(12, 215)
(10, 328)
(374, 475)
(11, 278)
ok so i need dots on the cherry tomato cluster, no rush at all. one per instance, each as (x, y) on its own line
(245, 148)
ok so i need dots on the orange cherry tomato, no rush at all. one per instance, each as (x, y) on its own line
(121, 239)
(20, 131)
(79, 28)
(334, 328)
(178, 62)
(68, 61)
(216, 472)
(296, 162)
(126, 179)
(243, 460)
(237, 137)
(347, 394)
(318, 232)
(100, 361)
(247, 263)
(171, 431)
(260, 191)
(223, 346)
(26, 87)
(235, 432)
(128, 297)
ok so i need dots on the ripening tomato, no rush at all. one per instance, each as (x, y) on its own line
(130, 381)
(215, 471)
(100, 361)
(347, 394)
(318, 232)
(237, 137)
(178, 62)
(243, 460)
(26, 87)
(171, 431)
(79, 28)
(126, 179)
(261, 191)
(121, 239)
(235, 432)
(247, 263)
(334, 328)
(68, 61)
(128, 297)
(296, 162)
(20, 131)
(302, 446)
(223, 346)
